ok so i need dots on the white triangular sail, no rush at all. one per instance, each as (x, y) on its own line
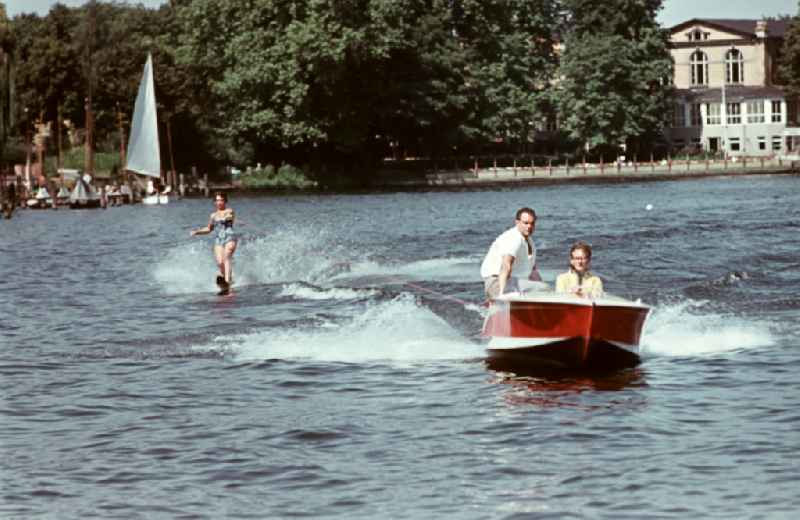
(143, 153)
(43, 193)
(83, 192)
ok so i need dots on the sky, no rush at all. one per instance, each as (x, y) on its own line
(673, 13)
(41, 7)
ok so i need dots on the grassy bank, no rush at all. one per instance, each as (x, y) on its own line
(106, 164)
(285, 177)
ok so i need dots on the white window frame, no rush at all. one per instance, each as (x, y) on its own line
(777, 115)
(698, 62)
(734, 67)
(713, 114)
(733, 113)
(755, 111)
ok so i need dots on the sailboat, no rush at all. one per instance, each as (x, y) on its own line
(41, 200)
(83, 195)
(144, 156)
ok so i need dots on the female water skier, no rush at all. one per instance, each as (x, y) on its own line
(225, 239)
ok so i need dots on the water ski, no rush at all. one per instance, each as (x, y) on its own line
(224, 287)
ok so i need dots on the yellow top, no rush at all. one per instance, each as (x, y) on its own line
(592, 285)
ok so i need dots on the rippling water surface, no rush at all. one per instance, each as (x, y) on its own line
(345, 376)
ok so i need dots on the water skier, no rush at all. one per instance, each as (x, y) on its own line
(225, 239)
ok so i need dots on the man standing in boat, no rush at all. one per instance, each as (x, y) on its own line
(511, 256)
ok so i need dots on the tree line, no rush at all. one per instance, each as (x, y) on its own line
(334, 87)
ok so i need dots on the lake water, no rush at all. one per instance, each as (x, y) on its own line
(345, 376)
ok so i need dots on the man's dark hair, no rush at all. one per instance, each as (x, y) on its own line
(527, 210)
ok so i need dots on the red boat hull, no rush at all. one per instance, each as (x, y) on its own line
(565, 331)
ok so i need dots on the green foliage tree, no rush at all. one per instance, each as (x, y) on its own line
(789, 65)
(123, 36)
(350, 77)
(340, 83)
(51, 67)
(420, 96)
(62, 55)
(615, 73)
(126, 34)
(285, 75)
(511, 64)
(7, 44)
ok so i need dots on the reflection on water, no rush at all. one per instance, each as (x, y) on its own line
(549, 388)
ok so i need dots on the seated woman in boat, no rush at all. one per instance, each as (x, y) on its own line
(221, 223)
(579, 280)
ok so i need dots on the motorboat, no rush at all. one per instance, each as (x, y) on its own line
(564, 331)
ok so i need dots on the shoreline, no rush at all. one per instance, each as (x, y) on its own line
(509, 177)
(593, 173)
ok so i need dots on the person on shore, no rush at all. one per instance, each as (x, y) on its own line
(511, 256)
(225, 239)
(103, 197)
(126, 194)
(579, 280)
(10, 201)
(113, 194)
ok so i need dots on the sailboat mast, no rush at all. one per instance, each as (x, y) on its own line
(89, 154)
(173, 178)
(60, 160)
(122, 162)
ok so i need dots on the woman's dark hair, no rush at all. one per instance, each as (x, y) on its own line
(586, 248)
(221, 194)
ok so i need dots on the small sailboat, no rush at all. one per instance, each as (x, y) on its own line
(41, 200)
(83, 195)
(62, 197)
(144, 156)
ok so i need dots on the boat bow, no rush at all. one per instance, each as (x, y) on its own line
(565, 329)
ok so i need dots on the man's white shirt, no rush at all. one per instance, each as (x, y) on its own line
(510, 242)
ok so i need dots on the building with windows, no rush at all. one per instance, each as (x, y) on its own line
(727, 99)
